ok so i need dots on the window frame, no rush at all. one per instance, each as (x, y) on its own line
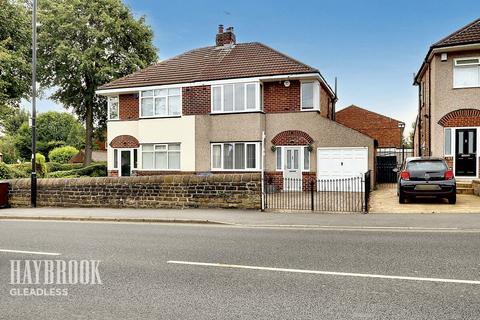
(316, 95)
(258, 104)
(245, 143)
(109, 103)
(456, 66)
(452, 138)
(167, 98)
(167, 144)
(301, 158)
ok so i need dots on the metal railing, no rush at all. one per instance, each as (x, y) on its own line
(319, 195)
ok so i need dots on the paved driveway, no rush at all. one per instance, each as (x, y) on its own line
(385, 200)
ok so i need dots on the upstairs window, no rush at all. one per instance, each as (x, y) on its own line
(466, 73)
(310, 95)
(113, 108)
(238, 97)
(161, 103)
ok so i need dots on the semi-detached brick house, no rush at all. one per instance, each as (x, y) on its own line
(206, 110)
(448, 120)
(387, 131)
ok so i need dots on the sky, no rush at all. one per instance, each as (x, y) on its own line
(373, 47)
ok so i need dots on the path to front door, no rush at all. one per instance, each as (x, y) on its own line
(292, 172)
(466, 152)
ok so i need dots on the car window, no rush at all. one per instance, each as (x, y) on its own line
(426, 166)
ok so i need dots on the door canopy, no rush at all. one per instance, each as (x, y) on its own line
(124, 141)
(461, 118)
(292, 138)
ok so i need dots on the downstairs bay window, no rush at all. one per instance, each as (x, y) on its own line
(164, 156)
(235, 156)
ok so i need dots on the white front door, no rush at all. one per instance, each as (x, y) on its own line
(292, 171)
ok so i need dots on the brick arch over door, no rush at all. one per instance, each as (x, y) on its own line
(461, 118)
(292, 138)
(124, 141)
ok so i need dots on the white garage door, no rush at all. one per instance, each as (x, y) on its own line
(339, 163)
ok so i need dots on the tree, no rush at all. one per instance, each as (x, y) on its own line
(54, 129)
(84, 44)
(15, 55)
(13, 119)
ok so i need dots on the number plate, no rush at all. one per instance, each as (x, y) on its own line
(427, 187)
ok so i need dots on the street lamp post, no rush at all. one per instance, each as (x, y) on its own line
(33, 184)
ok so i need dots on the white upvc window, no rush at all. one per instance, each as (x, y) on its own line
(447, 146)
(113, 108)
(304, 153)
(161, 103)
(310, 95)
(162, 156)
(236, 97)
(466, 73)
(235, 156)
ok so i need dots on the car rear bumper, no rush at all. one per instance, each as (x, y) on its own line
(430, 189)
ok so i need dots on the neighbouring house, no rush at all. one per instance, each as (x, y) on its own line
(387, 131)
(97, 156)
(448, 120)
(218, 109)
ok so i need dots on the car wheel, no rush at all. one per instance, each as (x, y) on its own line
(452, 199)
(401, 197)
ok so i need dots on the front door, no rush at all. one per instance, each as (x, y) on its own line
(466, 152)
(292, 173)
(125, 163)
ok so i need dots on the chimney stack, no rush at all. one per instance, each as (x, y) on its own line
(225, 37)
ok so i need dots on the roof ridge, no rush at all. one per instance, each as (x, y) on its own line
(464, 28)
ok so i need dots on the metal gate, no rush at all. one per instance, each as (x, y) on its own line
(349, 194)
(387, 160)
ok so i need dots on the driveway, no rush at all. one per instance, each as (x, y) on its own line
(385, 200)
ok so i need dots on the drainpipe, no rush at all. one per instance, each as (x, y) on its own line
(263, 171)
(429, 109)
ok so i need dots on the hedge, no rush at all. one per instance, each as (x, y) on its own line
(94, 170)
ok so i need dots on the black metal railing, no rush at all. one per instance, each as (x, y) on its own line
(320, 195)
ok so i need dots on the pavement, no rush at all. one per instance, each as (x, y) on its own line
(186, 271)
(251, 218)
(384, 200)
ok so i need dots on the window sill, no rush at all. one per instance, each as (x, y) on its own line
(159, 117)
(236, 112)
(169, 170)
(310, 110)
(473, 87)
(234, 171)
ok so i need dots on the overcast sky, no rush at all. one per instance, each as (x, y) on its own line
(372, 46)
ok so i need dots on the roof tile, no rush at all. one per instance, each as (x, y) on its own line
(214, 63)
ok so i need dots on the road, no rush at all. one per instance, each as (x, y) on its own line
(311, 274)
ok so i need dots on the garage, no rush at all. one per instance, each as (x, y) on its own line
(341, 163)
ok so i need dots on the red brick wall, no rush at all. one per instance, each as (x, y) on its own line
(385, 130)
(461, 118)
(278, 98)
(124, 141)
(292, 138)
(275, 178)
(196, 100)
(128, 105)
(113, 173)
(325, 103)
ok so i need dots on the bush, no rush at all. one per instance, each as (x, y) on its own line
(98, 169)
(7, 148)
(55, 166)
(40, 165)
(5, 171)
(62, 154)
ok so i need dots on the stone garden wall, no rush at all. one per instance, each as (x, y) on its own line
(240, 191)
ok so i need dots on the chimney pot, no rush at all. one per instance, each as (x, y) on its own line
(224, 38)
